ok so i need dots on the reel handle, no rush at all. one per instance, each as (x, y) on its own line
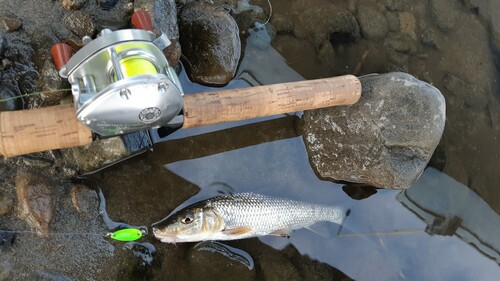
(35, 130)
(240, 104)
(41, 129)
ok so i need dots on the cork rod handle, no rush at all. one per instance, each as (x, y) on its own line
(239, 104)
(56, 127)
(27, 131)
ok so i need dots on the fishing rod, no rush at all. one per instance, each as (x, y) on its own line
(122, 84)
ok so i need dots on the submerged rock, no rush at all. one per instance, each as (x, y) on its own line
(344, 28)
(85, 201)
(385, 140)
(210, 41)
(445, 13)
(36, 200)
(373, 24)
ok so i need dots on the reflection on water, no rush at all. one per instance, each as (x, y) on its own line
(450, 208)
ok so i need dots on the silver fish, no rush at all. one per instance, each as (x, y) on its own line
(243, 215)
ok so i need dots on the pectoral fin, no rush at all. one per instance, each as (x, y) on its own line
(283, 232)
(237, 230)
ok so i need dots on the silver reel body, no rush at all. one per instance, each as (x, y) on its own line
(122, 83)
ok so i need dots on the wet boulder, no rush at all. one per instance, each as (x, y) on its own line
(36, 200)
(384, 140)
(164, 16)
(210, 41)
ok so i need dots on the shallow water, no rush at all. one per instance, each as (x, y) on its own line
(445, 227)
(437, 229)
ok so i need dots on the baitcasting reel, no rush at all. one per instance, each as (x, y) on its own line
(121, 82)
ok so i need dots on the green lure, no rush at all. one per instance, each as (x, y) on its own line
(126, 234)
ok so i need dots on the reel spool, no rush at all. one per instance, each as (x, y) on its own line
(121, 82)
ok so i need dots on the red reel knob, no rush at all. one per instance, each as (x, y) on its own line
(61, 53)
(142, 20)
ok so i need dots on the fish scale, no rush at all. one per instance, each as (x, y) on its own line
(264, 214)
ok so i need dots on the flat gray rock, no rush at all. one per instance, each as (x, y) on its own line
(385, 140)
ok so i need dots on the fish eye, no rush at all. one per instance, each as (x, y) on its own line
(187, 219)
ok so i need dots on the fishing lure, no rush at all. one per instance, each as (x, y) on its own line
(126, 234)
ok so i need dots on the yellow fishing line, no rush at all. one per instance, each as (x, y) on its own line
(136, 66)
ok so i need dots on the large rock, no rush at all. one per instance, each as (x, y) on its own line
(385, 140)
(36, 200)
(211, 43)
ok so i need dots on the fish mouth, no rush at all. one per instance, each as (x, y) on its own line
(163, 236)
